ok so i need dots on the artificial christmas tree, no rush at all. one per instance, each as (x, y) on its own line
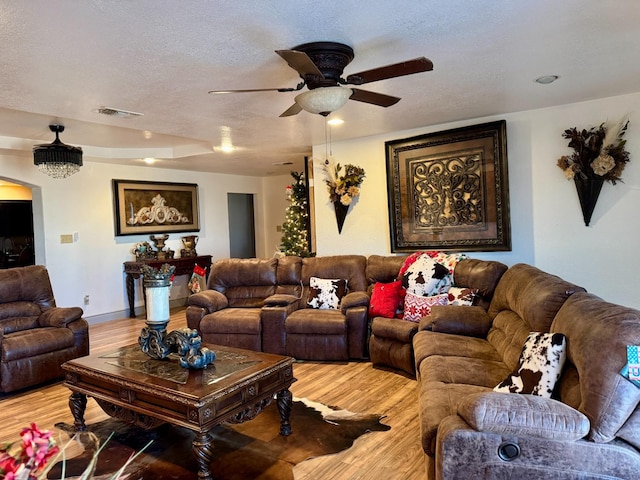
(295, 239)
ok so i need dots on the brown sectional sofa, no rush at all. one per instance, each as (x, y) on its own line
(591, 427)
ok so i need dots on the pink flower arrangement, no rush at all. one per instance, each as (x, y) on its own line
(30, 458)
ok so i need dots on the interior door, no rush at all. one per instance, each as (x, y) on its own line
(242, 233)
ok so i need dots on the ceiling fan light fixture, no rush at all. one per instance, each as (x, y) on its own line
(57, 159)
(324, 100)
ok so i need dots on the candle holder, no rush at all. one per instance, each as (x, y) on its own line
(154, 339)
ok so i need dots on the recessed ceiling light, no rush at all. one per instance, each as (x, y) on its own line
(335, 121)
(547, 79)
(149, 160)
(280, 164)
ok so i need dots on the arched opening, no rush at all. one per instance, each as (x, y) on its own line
(21, 224)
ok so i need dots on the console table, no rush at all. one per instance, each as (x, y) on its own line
(184, 266)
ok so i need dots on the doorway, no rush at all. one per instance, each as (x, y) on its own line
(16, 225)
(242, 232)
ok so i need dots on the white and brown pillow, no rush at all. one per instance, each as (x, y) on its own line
(426, 277)
(462, 296)
(539, 367)
(325, 293)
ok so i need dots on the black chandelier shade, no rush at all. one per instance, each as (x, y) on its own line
(57, 159)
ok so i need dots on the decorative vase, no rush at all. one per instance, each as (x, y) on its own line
(588, 191)
(341, 213)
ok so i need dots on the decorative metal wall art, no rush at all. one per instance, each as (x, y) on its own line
(449, 190)
(155, 207)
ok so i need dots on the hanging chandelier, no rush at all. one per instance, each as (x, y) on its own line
(57, 159)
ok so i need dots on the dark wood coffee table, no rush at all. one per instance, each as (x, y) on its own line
(129, 385)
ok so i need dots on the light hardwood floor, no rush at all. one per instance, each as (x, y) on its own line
(355, 386)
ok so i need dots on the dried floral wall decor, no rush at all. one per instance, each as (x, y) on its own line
(599, 155)
(343, 186)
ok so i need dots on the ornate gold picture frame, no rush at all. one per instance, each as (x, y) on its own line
(155, 207)
(450, 190)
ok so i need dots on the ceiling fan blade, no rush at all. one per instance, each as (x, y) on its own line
(300, 62)
(220, 92)
(372, 97)
(409, 67)
(292, 110)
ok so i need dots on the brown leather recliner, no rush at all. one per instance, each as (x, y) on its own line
(228, 312)
(36, 337)
(261, 305)
(315, 334)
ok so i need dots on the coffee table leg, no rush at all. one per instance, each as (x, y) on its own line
(285, 403)
(77, 405)
(203, 450)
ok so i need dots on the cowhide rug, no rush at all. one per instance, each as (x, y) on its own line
(252, 450)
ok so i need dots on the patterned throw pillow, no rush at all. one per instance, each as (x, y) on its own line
(426, 277)
(326, 294)
(386, 298)
(539, 367)
(416, 307)
(462, 296)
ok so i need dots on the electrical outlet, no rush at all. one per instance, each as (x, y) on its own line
(67, 238)
(278, 228)
(86, 299)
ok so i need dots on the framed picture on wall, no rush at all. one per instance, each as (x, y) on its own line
(449, 190)
(155, 207)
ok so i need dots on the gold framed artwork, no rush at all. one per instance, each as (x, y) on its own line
(155, 207)
(449, 190)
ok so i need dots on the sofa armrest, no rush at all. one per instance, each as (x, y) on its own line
(209, 300)
(471, 321)
(280, 300)
(59, 316)
(354, 299)
(463, 452)
(523, 415)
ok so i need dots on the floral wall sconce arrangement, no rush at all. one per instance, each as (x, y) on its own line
(343, 186)
(598, 155)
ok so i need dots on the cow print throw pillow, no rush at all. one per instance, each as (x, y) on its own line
(326, 293)
(426, 277)
(462, 296)
(539, 367)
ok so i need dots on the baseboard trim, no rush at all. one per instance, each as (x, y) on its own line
(139, 310)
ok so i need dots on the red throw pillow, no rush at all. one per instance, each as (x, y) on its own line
(385, 299)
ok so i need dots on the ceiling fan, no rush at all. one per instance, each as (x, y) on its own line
(321, 64)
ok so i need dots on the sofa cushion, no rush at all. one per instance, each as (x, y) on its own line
(463, 370)
(386, 298)
(427, 343)
(36, 341)
(523, 415)
(471, 321)
(326, 293)
(426, 277)
(541, 361)
(232, 321)
(416, 307)
(598, 333)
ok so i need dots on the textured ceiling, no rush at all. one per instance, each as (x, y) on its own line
(63, 59)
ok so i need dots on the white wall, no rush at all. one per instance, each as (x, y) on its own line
(546, 221)
(83, 203)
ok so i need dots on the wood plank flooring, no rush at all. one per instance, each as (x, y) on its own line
(355, 386)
